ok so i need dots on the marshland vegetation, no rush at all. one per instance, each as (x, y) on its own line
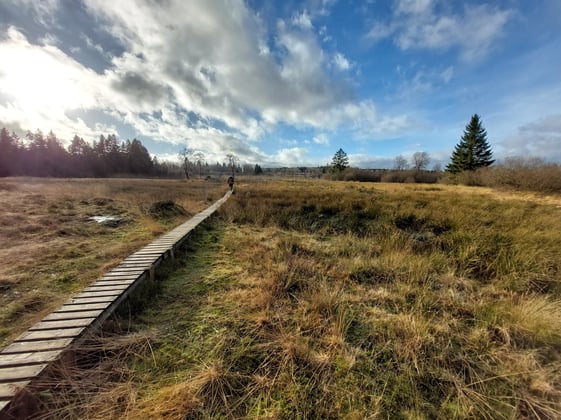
(316, 299)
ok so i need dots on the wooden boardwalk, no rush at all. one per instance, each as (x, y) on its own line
(47, 340)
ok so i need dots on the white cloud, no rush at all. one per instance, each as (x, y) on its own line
(321, 138)
(541, 138)
(341, 62)
(419, 24)
(302, 20)
(447, 74)
(290, 157)
(380, 30)
(413, 6)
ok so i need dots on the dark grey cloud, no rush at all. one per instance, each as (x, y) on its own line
(140, 88)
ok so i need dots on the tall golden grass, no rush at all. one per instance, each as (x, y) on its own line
(313, 299)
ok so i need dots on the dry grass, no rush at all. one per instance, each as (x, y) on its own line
(341, 300)
(49, 250)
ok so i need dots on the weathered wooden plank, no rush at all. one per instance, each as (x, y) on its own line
(136, 265)
(142, 258)
(151, 263)
(10, 389)
(132, 278)
(156, 247)
(12, 374)
(66, 323)
(125, 275)
(86, 300)
(32, 358)
(51, 334)
(59, 316)
(129, 270)
(117, 280)
(99, 294)
(120, 273)
(30, 346)
(92, 306)
(111, 283)
(108, 285)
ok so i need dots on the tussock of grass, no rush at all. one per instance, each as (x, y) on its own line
(434, 303)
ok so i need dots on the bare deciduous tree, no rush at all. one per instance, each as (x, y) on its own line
(420, 160)
(186, 160)
(400, 163)
(199, 160)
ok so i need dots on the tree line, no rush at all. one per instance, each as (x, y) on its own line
(43, 155)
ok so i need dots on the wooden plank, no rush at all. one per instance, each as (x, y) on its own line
(137, 269)
(97, 287)
(51, 334)
(99, 294)
(86, 300)
(11, 374)
(137, 265)
(125, 271)
(142, 258)
(108, 285)
(58, 316)
(10, 389)
(124, 277)
(156, 247)
(83, 307)
(30, 346)
(32, 358)
(110, 281)
(65, 323)
(115, 273)
(149, 263)
(160, 250)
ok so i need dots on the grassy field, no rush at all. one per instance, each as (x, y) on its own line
(49, 250)
(313, 299)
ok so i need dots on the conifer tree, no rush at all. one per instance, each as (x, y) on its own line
(340, 161)
(473, 151)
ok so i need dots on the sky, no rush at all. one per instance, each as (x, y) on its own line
(286, 83)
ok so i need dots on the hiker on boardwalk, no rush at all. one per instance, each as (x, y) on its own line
(231, 183)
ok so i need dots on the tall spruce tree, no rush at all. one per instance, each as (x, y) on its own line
(473, 151)
(340, 161)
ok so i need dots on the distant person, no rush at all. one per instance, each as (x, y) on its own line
(231, 183)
